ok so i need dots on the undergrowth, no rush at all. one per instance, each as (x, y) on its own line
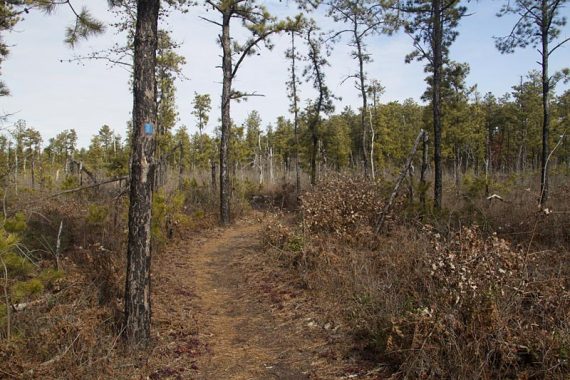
(61, 314)
(455, 295)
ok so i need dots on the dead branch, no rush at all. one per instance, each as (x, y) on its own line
(116, 179)
(60, 356)
(403, 174)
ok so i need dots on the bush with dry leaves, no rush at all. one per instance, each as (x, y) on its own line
(341, 205)
(464, 304)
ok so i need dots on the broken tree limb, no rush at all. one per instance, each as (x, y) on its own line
(407, 166)
(116, 179)
(82, 168)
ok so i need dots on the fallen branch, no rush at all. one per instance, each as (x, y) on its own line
(60, 356)
(497, 197)
(25, 305)
(116, 179)
(407, 166)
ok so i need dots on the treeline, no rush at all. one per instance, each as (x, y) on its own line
(498, 134)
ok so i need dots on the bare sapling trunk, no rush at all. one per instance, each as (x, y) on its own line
(423, 171)
(372, 137)
(213, 173)
(7, 301)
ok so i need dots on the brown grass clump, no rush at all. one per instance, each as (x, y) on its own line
(71, 327)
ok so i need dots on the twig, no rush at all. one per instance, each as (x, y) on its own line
(10, 374)
(116, 179)
(60, 356)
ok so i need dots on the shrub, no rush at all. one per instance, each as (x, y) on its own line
(341, 205)
(24, 289)
(467, 304)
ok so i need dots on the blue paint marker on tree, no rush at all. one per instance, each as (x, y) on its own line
(148, 129)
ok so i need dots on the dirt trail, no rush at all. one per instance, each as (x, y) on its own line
(217, 319)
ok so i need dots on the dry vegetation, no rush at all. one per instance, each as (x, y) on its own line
(479, 291)
(66, 311)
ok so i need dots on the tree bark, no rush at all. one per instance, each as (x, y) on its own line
(226, 121)
(295, 116)
(488, 157)
(316, 117)
(137, 289)
(437, 48)
(362, 85)
(545, 105)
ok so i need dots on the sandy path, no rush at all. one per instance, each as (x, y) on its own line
(216, 320)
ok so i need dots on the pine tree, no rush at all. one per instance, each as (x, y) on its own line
(137, 290)
(432, 24)
(261, 25)
(539, 26)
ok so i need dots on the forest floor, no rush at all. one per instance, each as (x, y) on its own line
(221, 313)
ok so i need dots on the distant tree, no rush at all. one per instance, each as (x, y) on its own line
(293, 93)
(283, 142)
(375, 90)
(202, 104)
(432, 25)
(528, 121)
(538, 25)
(32, 144)
(182, 139)
(314, 72)
(362, 18)
(261, 25)
(169, 66)
(254, 147)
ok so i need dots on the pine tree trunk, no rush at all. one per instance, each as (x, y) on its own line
(437, 40)
(33, 172)
(488, 158)
(545, 107)
(295, 117)
(181, 168)
(226, 122)
(315, 147)
(137, 292)
(372, 137)
(362, 85)
(213, 171)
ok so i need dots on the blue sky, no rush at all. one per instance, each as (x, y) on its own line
(52, 96)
